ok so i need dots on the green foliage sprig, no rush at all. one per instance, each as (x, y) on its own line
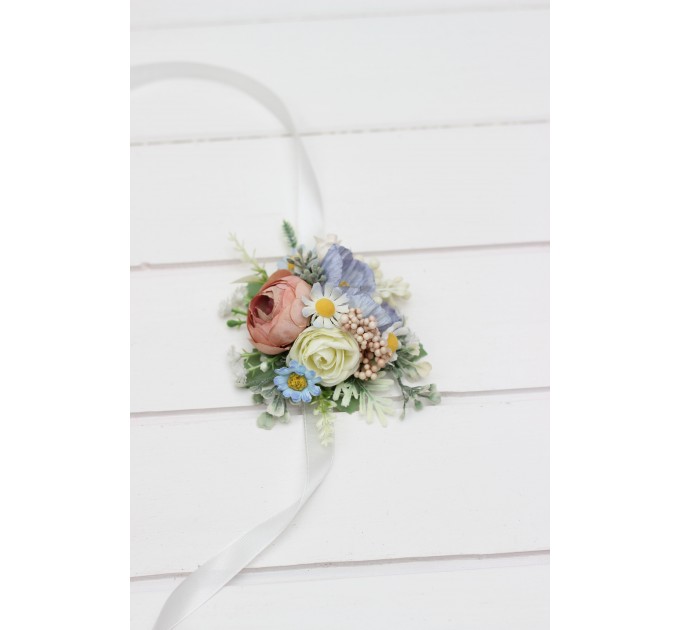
(253, 282)
(417, 394)
(260, 273)
(289, 234)
(236, 323)
(259, 369)
(306, 265)
(367, 397)
(409, 363)
(323, 408)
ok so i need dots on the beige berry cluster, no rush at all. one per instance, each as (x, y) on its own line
(374, 350)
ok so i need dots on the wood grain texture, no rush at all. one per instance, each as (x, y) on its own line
(431, 595)
(415, 189)
(467, 477)
(378, 73)
(482, 315)
(168, 14)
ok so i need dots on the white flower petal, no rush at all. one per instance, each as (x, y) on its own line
(316, 291)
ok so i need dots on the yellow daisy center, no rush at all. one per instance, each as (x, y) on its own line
(291, 267)
(392, 342)
(325, 307)
(297, 382)
(344, 284)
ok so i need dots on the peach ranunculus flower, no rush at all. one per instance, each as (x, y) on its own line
(275, 313)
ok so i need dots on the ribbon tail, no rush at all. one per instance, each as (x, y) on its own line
(212, 576)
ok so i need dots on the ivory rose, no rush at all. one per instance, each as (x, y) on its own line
(275, 313)
(332, 353)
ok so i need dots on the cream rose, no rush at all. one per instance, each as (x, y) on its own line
(332, 353)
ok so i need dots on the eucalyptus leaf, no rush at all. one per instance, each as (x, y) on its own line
(258, 377)
(277, 406)
(266, 420)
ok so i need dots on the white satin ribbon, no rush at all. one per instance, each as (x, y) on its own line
(214, 574)
(309, 220)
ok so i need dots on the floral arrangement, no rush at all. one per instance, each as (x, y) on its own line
(327, 333)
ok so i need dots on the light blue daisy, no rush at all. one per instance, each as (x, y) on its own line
(297, 382)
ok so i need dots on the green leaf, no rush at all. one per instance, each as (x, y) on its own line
(323, 407)
(372, 400)
(277, 406)
(347, 396)
(350, 407)
(434, 396)
(253, 277)
(289, 233)
(253, 288)
(258, 377)
(347, 390)
(249, 258)
(266, 420)
(255, 377)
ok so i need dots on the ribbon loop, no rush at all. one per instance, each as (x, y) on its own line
(309, 218)
(214, 574)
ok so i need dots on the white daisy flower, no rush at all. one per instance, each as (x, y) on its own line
(393, 336)
(325, 306)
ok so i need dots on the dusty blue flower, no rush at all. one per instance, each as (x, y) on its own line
(344, 271)
(297, 383)
(357, 280)
(384, 314)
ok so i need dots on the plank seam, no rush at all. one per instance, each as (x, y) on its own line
(168, 413)
(365, 15)
(463, 559)
(340, 132)
(226, 262)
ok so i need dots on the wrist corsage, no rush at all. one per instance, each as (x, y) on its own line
(327, 333)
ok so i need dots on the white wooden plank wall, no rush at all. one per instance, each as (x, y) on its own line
(428, 125)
